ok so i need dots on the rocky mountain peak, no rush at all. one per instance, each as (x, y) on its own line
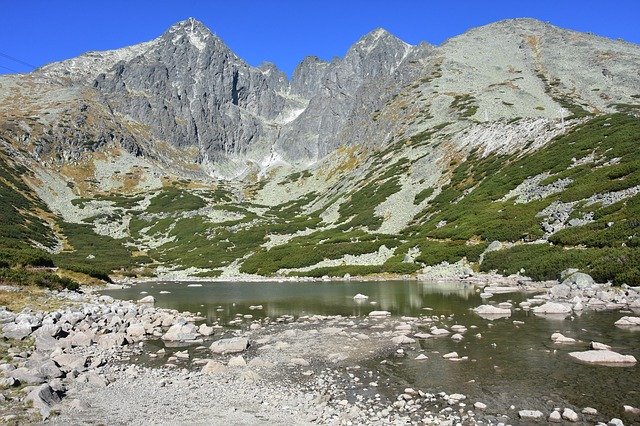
(378, 37)
(192, 31)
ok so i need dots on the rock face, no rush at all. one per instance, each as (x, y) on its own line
(605, 357)
(189, 89)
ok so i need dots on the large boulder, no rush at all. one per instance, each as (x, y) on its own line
(579, 280)
(604, 357)
(26, 376)
(491, 312)
(228, 346)
(150, 300)
(205, 330)
(81, 338)
(43, 398)
(560, 291)
(111, 340)
(181, 332)
(69, 362)
(551, 308)
(628, 322)
(17, 331)
(136, 331)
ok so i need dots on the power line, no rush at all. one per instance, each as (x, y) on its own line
(9, 69)
(4, 55)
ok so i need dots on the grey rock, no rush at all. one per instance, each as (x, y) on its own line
(237, 361)
(43, 398)
(560, 291)
(551, 308)
(530, 414)
(231, 345)
(26, 376)
(213, 367)
(555, 417)
(137, 331)
(17, 331)
(570, 415)
(68, 362)
(628, 322)
(81, 338)
(579, 280)
(111, 340)
(181, 332)
(604, 357)
(148, 300)
(205, 330)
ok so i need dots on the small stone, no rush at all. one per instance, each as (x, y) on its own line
(237, 361)
(599, 346)
(589, 411)
(530, 414)
(631, 410)
(232, 345)
(555, 417)
(480, 406)
(213, 367)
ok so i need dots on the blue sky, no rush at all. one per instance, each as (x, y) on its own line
(283, 32)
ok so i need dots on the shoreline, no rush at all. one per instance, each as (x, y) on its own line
(88, 354)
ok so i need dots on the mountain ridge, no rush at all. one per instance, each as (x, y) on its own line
(393, 159)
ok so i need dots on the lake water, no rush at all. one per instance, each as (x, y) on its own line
(511, 364)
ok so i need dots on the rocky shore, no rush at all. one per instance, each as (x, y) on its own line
(100, 360)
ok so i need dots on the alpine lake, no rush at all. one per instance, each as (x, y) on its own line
(512, 363)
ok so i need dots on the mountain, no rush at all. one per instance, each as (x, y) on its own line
(508, 148)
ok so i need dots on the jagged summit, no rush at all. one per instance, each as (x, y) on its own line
(195, 32)
(379, 38)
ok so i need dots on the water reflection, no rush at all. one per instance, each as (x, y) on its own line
(224, 301)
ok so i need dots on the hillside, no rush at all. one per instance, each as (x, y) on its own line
(510, 148)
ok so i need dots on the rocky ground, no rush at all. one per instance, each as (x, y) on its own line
(100, 360)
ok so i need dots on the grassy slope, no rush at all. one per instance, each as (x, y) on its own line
(471, 206)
